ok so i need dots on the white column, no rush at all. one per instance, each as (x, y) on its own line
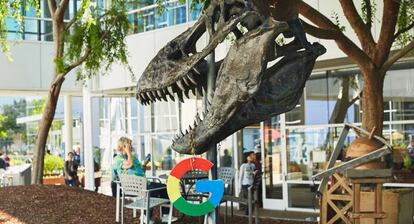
(87, 136)
(68, 124)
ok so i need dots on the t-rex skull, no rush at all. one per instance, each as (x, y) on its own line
(249, 89)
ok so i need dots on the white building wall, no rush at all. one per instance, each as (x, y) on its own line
(31, 69)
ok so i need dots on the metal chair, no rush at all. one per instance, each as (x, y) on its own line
(187, 186)
(250, 201)
(227, 175)
(135, 187)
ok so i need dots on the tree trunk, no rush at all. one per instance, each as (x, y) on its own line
(43, 132)
(372, 100)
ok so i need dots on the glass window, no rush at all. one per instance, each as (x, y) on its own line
(226, 152)
(309, 149)
(302, 196)
(332, 99)
(398, 95)
(165, 114)
(162, 156)
(273, 158)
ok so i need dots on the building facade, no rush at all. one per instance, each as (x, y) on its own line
(292, 147)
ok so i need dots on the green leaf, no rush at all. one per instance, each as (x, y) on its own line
(101, 35)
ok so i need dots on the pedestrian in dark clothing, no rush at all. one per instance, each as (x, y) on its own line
(3, 164)
(71, 171)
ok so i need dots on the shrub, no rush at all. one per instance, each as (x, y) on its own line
(16, 162)
(53, 165)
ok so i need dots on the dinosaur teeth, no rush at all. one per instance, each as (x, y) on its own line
(198, 119)
(182, 134)
(200, 91)
(191, 78)
(195, 124)
(155, 93)
(140, 98)
(186, 93)
(187, 81)
(196, 71)
(180, 85)
(180, 96)
(145, 96)
(151, 95)
(170, 90)
(172, 98)
(160, 93)
(193, 90)
(186, 132)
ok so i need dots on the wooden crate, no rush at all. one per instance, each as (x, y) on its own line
(398, 206)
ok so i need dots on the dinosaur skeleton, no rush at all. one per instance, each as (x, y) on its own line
(257, 79)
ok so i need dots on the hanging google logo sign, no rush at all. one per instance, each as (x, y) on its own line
(215, 187)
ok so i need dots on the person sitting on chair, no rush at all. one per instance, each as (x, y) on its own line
(126, 162)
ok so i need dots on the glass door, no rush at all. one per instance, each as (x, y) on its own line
(274, 164)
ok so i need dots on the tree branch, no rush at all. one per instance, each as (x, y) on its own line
(361, 29)
(79, 62)
(319, 32)
(386, 38)
(60, 12)
(399, 54)
(403, 30)
(88, 51)
(356, 98)
(343, 42)
(52, 6)
(70, 23)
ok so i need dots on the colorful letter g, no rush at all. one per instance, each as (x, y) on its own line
(215, 187)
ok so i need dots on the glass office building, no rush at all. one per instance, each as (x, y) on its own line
(292, 146)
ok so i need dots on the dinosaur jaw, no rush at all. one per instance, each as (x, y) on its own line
(176, 89)
(280, 90)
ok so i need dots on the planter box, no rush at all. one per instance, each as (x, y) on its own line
(398, 205)
(59, 180)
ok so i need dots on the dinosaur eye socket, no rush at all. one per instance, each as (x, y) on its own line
(174, 51)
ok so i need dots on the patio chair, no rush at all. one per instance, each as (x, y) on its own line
(250, 201)
(227, 175)
(3, 181)
(188, 182)
(135, 188)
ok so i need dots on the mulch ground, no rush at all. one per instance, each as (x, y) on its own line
(61, 204)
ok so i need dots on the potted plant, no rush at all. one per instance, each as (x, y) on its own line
(53, 169)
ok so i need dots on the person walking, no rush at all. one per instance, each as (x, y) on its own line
(71, 171)
(247, 172)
